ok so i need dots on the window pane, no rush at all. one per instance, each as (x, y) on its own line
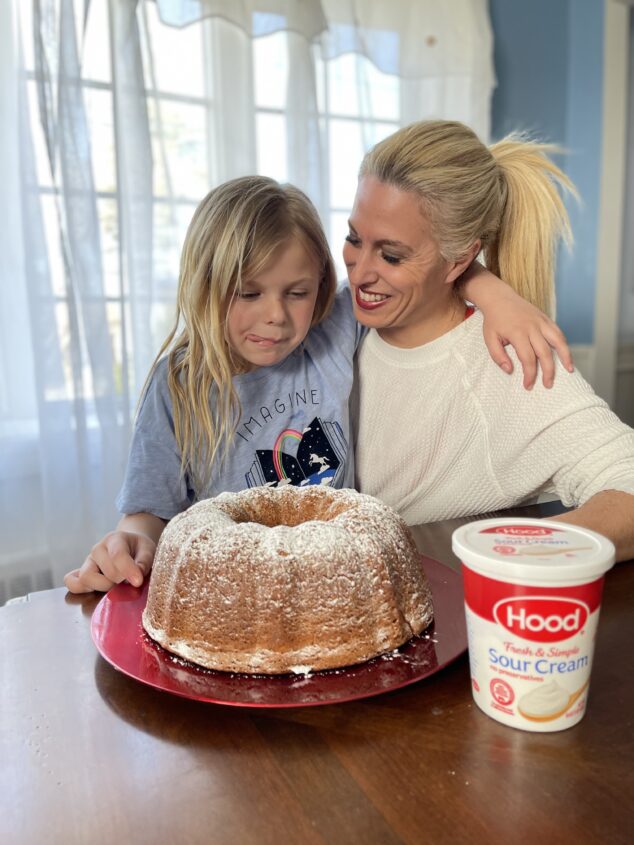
(170, 225)
(98, 105)
(271, 146)
(381, 90)
(346, 145)
(375, 132)
(109, 233)
(26, 30)
(42, 167)
(161, 320)
(356, 87)
(343, 96)
(270, 69)
(59, 391)
(349, 140)
(338, 231)
(174, 62)
(50, 219)
(320, 79)
(93, 45)
(115, 330)
(95, 53)
(179, 148)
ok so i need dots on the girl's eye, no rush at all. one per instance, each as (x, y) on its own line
(248, 294)
(352, 239)
(298, 294)
(391, 259)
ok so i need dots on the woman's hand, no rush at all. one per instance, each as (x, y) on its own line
(510, 319)
(120, 556)
(611, 513)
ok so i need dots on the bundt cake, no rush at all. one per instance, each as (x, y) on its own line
(274, 580)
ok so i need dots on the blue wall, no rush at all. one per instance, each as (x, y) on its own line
(549, 67)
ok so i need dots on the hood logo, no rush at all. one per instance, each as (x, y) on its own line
(541, 618)
(521, 530)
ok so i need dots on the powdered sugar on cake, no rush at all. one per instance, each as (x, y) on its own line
(269, 580)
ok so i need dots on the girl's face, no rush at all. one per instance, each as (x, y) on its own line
(401, 284)
(273, 312)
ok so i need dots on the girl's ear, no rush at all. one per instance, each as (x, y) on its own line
(455, 269)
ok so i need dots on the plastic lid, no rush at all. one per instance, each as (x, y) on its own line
(535, 551)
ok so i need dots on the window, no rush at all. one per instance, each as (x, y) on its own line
(142, 119)
(358, 106)
(182, 72)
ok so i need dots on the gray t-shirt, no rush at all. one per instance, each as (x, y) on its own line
(294, 427)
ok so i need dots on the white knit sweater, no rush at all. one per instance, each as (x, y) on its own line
(442, 432)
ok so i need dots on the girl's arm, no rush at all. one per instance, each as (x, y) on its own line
(126, 554)
(510, 319)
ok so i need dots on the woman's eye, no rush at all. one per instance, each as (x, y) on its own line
(352, 239)
(391, 259)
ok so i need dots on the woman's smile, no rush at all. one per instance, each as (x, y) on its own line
(369, 300)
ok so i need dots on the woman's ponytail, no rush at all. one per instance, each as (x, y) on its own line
(533, 219)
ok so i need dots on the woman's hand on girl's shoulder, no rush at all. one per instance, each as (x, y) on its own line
(120, 556)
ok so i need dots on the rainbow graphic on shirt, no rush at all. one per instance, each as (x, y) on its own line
(314, 455)
(283, 438)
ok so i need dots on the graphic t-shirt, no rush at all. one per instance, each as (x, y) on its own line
(294, 427)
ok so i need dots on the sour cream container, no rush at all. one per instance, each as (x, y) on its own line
(532, 592)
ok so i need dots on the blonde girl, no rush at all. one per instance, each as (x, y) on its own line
(251, 386)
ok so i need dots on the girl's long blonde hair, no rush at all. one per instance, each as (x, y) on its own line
(235, 234)
(505, 195)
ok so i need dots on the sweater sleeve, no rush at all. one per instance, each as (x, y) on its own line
(564, 439)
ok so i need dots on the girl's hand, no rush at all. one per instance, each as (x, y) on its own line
(120, 556)
(532, 334)
(510, 319)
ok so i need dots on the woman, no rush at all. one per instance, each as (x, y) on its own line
(430, 198)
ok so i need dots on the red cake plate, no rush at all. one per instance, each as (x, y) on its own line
(119, 637)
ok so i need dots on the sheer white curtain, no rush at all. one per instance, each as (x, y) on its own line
(118, 116)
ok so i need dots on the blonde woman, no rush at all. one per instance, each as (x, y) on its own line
(251, 387)
(467, 439)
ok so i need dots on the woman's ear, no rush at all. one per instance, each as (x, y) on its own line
(455, 269)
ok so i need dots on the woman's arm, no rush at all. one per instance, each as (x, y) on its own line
(610, 513)
(567, 441)
(125, 554)
(510, 319)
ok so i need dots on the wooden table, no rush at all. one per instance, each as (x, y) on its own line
(91, 756)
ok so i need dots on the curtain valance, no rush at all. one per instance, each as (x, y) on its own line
(414, 39)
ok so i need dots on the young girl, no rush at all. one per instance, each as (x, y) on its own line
(254, 388)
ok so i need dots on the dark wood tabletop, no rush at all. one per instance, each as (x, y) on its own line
(89, 755)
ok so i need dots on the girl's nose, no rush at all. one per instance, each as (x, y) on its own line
(275, 312)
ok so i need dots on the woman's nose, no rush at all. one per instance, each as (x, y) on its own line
(361, 268)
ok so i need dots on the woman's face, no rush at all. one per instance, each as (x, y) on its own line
(401, 284)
